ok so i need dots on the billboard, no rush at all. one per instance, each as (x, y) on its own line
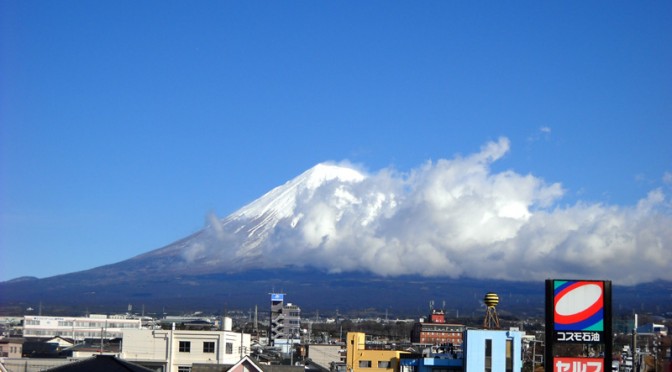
(578, 312)
(578, 365)
(277, 296)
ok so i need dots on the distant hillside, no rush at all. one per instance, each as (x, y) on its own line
(96, 291)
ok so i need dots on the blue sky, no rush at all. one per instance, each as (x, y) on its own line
(123, 124)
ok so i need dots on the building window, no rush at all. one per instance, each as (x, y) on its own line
(185, 346)
(384, 364)
(229, 348)
(183, 369)
(488, 355)
(208, 347)
(364, 364)
(509, 355)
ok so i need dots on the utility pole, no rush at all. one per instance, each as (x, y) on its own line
(256, 319)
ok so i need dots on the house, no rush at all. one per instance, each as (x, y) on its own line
(93, 348)
(11, 347)
(61, 342)
(246, 364)
(100, 363)
(40, 349)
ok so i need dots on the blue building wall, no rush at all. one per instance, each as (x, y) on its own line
(428, 364)
(473, 357)
(475, 345)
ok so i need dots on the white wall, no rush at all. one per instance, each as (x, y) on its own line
(77, 328)
(164, 346)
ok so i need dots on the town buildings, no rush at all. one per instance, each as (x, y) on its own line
(178, 350)
(11, 347)
(435, 331)
(483, 350)
(285, 322)
(78, 328)
(359, 358)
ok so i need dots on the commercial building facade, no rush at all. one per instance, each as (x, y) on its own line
(493, 350)
(436, 331)
(178, 350)
(359, 358)
(78, 328)
(484, 350)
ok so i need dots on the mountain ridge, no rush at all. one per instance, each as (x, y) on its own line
(111, 291)
(325, 234)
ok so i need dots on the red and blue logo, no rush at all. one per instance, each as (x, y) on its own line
(578, 305)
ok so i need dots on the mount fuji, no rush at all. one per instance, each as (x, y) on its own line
(262, 234)
(449, 230)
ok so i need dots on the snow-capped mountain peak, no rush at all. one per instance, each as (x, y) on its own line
(281, 201)
(243, 232)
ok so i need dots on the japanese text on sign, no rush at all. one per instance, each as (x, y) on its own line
(567, 336)
(578, 365)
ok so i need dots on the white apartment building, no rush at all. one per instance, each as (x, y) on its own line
(78, 328)
(178, 350)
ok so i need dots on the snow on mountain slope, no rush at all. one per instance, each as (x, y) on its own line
(259, 219)
(446, 218)
(280, 202)
(256, 234)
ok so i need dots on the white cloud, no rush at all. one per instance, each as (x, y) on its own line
(667, 178)
(543, 133)
(455, 217)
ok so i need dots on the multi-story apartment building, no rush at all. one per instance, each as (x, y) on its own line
(78, 328)
(285, 325)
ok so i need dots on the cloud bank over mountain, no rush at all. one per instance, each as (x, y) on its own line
(452, 217)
